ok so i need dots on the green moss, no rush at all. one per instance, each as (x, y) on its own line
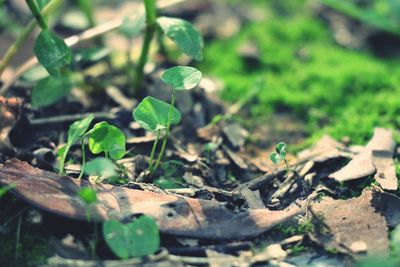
(332, 89)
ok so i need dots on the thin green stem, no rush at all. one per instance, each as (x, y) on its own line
(63, 158)
(13, 49)
(151, 25)
(287, 165)
(83, 158)
(34, 7)
(153, 150)
(164, 144)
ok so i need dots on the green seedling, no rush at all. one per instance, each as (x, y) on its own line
(155, 115)
(102, 168)
(54, 55)
(50, 50)
(136, 239)
(279, 154)
(76, 132)
(181, 32)
(108, 139)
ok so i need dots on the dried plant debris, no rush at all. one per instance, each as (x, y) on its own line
(362, 164)
(326, 148)
(351, 226)
(15, 129)
(174, 214)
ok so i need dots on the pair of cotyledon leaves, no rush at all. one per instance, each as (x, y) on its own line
(279, 154)
(53, 53)
(153, 114)
(103, 137)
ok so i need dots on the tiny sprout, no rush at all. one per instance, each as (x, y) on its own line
(280, 154)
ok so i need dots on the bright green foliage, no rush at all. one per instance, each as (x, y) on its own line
(331, 89)
(280, 153)
(136, 239)
(181, 77)
(184, 35)
(50, 90)
(101, 167)
(52, 52)
(75, 132)
(152, 114)
(87, 195)
(132, 27)
(108, 139)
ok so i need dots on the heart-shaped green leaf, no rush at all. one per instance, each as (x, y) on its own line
(184, 35)
(52, 52)
(107, 138)
(136, 239)
(78, 129)
(275, 158)
(181, 77)
(50, 90)
(152, 114)
(101, 167)
(280, 148)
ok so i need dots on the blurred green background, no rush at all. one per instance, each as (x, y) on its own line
(341, 90)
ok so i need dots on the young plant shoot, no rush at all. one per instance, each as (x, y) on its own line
(179, 31)
(279, 155)
(76, 132)
(54, 55)
(155, 115)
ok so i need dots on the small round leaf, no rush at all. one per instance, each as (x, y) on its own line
(136, 239)
(107, 138)
(184, 35)
(181, 77)
(275, 158)
(280, 148)
(152, 114)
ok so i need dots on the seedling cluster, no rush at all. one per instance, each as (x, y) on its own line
(56, 79)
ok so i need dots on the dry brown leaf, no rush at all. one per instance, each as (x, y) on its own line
(175, 215)
(385, 169)
(361, 165)
(351, 226)
(326, 148)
